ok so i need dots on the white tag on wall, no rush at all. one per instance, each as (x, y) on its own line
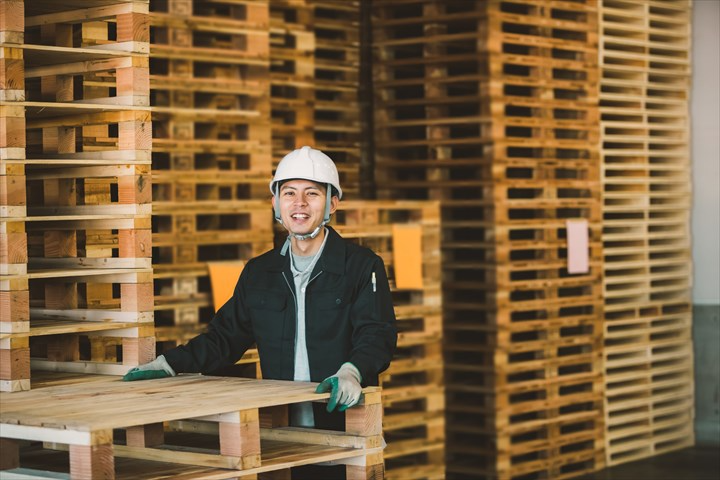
(578, 251)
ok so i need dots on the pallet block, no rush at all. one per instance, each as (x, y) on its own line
(249, 418)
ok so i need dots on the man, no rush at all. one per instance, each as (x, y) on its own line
(319, 308)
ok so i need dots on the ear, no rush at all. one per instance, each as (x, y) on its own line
(334, 204)
(273, 201)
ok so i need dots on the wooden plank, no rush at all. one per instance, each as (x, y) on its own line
(228, 394)
(90, 451)
(84, 14)
(182, 458)
(50, 434)
(320, 437)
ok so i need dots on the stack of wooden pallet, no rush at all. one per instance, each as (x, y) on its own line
(314, 63)
(292, 67)
(14, 293)
(544, 106)
(491, 107)
(645, 62)
(76, 196)
(211, 151)
(407, 236)
(336, 26)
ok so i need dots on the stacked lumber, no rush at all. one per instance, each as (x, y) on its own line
(406, 234)
(14, 293)
(645, 63)
(242, 425)
(491, 108)
(211, 160)
(76, 197)
(314, 75)
(292, 68)
(337, 129)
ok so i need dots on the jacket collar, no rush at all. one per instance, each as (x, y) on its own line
(332, 259)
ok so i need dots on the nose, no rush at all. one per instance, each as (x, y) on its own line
(300, 199)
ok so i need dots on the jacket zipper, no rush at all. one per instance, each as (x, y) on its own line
(313, 278)
(292, 290)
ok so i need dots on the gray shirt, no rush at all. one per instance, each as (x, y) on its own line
(302, 267)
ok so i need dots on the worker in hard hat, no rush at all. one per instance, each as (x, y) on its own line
(319, 308)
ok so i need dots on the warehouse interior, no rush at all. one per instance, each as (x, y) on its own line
(540, 177)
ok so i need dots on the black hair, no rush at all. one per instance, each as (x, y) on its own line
(333, 191)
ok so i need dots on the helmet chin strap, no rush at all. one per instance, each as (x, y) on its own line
(306, 236)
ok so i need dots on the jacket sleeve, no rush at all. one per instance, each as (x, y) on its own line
(374, 336)
(229, 335)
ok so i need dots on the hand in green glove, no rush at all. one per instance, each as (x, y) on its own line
(158, 368)
(344, 388)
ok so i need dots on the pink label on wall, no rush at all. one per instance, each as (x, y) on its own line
(578, 246)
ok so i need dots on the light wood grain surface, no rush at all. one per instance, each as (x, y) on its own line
(116, 404)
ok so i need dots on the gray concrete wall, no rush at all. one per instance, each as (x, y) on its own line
(705, 125)
(706, 335)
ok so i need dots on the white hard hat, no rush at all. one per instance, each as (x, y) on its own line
(307, 164)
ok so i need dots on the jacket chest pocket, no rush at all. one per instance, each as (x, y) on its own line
(329, 312)
(268, 311)
(329, 301)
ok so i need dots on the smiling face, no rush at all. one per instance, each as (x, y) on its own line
(302, 206)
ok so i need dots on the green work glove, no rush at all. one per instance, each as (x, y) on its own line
(158, 368)
(344, 388)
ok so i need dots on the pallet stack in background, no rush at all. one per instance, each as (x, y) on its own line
(209, 79)
(314, 64)
(292, 68)
(496, 122)
(336, 82)
(77, 181)
(645, 63)
(543, 95)
(491, 108)
(14, 293)
(406, 234)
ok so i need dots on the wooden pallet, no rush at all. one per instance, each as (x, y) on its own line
(413, 400)
(187, 237)
(210, 88)
(414, 412)
(185, 242)
(82, 171)
(371, 225)
(491, 108)
(337, 129)
(211, 157)
(14, 293)
(645, 62)
(250, 418)
(292, 45)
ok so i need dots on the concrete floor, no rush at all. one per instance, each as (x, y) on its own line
(697, 463)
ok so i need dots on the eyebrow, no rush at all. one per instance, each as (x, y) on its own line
(289, 187)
